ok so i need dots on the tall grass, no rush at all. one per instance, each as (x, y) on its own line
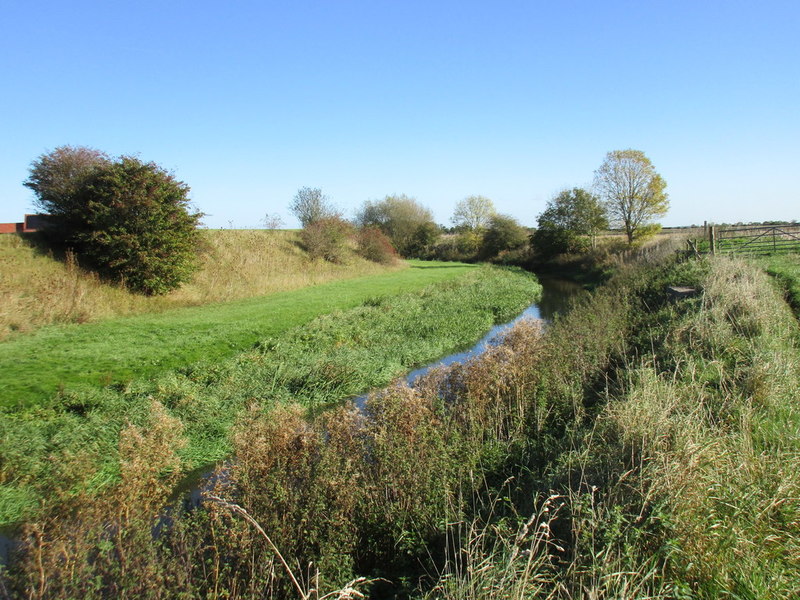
(786, 270)
(37, 289)
(324, 361)
(641, 448)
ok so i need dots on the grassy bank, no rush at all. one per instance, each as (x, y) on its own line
(68, 357)
(786, 270)
(642, 447)
(71, 442)
(38, 289)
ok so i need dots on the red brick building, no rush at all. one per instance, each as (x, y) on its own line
(30, 224)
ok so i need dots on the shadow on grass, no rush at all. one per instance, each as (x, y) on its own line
(453, 266)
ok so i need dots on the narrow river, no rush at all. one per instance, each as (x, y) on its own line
(557, 296)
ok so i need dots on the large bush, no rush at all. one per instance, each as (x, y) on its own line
(327, 238)
(503, 234)
(375, 246)
(400, 218)
(128, 219)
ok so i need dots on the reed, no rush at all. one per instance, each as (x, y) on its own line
(642, 447)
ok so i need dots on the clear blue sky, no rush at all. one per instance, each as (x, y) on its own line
(248, 101)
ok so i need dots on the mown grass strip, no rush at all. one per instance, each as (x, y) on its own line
(34, 367)
(72, 442)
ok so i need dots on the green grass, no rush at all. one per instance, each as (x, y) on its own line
(786, 270)
(34, 367)
(71, 442)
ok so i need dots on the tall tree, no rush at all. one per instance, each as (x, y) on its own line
(632, 190)
(568, 216)
(504, 233)
(310, 205)
(473, 213)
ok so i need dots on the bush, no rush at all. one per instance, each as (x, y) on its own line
(128, 219)
(399, 217)
(327, 239)
(375, 246)
(548, 242)
(504, 233)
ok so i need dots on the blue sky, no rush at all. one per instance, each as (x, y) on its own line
(249, 101)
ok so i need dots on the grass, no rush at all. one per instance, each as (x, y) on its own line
(63, 357)
(37, 289)
(786, 270)
(642, 447)
(318, 363)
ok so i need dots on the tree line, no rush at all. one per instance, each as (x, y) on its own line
(627, 192)
(132, 221)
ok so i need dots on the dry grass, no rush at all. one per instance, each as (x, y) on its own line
(37, 290)
(684, 482)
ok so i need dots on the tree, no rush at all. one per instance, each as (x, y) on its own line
(425, 236)
(632, 190)
(473, 213)
(310, 205)
(503, 233)
(128, 219)
(56, 178)
(399, 217)
(569, 215)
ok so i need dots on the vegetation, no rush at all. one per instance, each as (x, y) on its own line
(375, 246)
(568, 219)
(37, 289)
(641, 447)
(327, 239)
(310, 205)
(473, 213)
(127, 219)
(319, 362)
(786, 270)
(35, 366)
(632, 190)
(502, 235)
(401, 218)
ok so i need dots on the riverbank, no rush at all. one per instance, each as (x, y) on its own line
(40, 288)
(76, 358)
(72, 444)
(643, 446)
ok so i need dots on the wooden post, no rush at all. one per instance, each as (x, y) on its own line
(712, 242)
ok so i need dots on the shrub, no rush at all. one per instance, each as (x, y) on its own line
(327, 239)
(504, 233)
(375, 246)
(399, 217)
(128, 219)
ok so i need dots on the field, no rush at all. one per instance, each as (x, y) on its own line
(74, 435)
(37, 290)
(640, 447)
(62, 357)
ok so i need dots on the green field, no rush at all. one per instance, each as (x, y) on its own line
(34, 366)
(71, 441)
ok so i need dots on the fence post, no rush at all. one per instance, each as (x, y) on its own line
(711, 239)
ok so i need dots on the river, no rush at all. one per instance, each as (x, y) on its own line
(557, 296)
